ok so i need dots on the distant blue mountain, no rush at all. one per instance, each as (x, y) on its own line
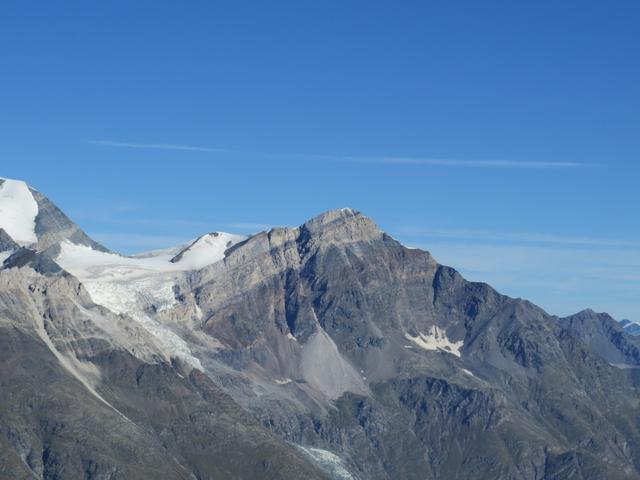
(630, 327)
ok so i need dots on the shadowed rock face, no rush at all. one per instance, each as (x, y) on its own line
(606, 337)
(331, 336)
(53, 226)
(6, 242)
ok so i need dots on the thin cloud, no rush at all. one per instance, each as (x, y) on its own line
(442, 162)
(371, 160)
(157, 146)
(154, 222)
(519, 237)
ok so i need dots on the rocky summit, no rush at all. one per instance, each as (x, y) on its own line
(326, 351)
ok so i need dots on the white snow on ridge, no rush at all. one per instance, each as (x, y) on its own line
(436, 339)
(135, 285)
(18, 211)
(206, 250)
(87, 263)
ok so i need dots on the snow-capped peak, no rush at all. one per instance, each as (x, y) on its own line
(206, 250)
(630, 327)
(18, 211)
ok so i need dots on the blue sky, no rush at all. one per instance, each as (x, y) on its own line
(501, 136)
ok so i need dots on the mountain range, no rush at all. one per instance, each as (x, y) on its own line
(326, 351)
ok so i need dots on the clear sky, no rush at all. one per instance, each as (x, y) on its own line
(503, 136)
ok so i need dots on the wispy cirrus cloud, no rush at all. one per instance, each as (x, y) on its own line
(517, 237)
(154, 222)
(371, 160)
(448, 162)
(157, 146)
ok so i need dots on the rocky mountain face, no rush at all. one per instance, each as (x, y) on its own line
(324, 351)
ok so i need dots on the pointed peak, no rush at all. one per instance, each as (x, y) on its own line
(341, 226)
(333, 215)
(590, 313)
(589, 316)
(345, 217)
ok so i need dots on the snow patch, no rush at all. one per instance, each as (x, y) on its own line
(329, 462)
(291, 337)
(436, 339)
(283, 381)
(18, 212)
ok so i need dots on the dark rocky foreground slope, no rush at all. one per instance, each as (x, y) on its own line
(74, 405)
(326, 351)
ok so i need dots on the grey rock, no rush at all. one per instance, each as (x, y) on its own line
(53, 226)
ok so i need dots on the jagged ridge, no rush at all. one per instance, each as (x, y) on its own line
(334, 336)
